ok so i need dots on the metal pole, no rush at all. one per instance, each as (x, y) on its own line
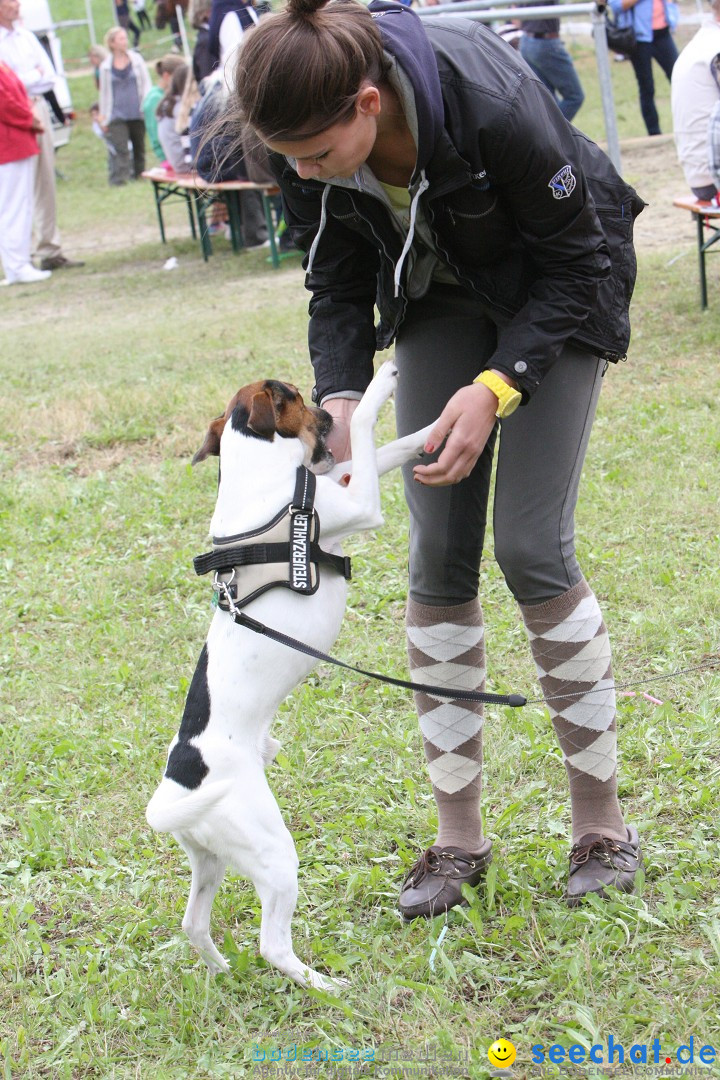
(183, 33)
(602, 57)
(90, 22)
(486, 11)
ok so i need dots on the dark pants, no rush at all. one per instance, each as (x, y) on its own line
(119, 134)
(661, 48)
(443, 344)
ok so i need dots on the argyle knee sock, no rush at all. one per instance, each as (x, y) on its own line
(446, 648)
(571, 650)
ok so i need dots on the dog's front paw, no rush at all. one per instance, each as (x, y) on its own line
(382, 387)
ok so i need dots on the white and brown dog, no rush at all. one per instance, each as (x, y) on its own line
(214, 796)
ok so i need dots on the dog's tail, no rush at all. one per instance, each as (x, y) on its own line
(168, 812)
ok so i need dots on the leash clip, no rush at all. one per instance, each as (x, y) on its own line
(222, 588)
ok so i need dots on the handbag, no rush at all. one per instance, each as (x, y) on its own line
(620, 39)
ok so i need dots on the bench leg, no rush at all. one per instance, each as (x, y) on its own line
(158, 207)
(205, 241)
(701, 256)
(267, 207)
(232, 201)
(191, 214)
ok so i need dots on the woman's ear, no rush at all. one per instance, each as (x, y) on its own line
(368, 100)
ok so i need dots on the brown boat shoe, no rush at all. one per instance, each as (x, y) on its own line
(597, 861)
(434, 884)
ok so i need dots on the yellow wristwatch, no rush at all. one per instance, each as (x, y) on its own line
(508, 397)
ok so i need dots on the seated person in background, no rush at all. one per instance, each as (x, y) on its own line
(217, 158)
(714, 136)
(164, 68)
(175, 145)
(695, 94)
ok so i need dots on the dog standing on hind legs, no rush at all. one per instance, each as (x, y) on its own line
(214, 797)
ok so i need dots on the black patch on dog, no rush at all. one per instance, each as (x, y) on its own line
(186, 766)
(197, 705)
(239, 421)
(279, 389)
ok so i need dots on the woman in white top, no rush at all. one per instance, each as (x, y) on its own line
(124, 82)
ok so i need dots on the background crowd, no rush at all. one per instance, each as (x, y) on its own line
(170, 108)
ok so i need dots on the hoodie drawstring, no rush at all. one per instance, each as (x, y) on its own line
(321, 226)
(422, 186)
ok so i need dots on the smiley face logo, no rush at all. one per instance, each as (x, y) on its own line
(501, 1054)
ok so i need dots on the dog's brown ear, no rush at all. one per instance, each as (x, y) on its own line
(262, 419)
(212, 440)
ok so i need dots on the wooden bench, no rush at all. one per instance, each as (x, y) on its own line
(198, 194)
(708, 233)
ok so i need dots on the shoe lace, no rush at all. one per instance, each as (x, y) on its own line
(438, 862)
(602, 850)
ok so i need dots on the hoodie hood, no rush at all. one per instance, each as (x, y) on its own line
(404, 37)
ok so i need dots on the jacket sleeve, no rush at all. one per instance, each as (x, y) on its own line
(535, 167)
(343, 284)
(15, 109)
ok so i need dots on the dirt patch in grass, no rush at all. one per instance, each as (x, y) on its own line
(651, 166)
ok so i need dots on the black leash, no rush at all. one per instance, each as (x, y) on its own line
(707, 666)
(515, 701)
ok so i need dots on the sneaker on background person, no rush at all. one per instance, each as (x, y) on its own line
(27, 275)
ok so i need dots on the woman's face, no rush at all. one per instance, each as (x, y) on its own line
(119, 42)
(340, 150)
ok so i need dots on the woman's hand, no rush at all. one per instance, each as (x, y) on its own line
(341, 410)
(466, 421)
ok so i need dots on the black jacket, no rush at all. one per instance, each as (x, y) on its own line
(529, 213)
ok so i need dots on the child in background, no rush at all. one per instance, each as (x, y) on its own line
(176, 146)
(164, 68)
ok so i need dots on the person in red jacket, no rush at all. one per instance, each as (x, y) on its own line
(18, 147)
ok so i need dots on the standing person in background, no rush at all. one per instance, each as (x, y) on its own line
(229, 21)
(428, 175)
(543, 50)
(18, 149)
(203, 61)
(124, 83)
(695, 94)
(122, 12)
(652, 21)
(140, 9)
(23, 54)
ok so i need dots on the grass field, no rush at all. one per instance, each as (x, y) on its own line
(110, 375)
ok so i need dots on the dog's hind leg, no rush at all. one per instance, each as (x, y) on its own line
(277, 888)
(207, 873)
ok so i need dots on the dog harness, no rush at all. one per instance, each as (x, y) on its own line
(284, 552)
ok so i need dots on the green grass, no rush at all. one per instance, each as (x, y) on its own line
(110, 376)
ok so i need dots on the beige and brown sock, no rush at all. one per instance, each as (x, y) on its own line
(571, 650)
(446, 647)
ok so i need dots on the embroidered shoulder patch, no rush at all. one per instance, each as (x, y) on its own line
(563, 183)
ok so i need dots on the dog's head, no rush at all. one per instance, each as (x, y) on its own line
(264, 410)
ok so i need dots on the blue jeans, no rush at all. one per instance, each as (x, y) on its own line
(552, 64)
(661, 48)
